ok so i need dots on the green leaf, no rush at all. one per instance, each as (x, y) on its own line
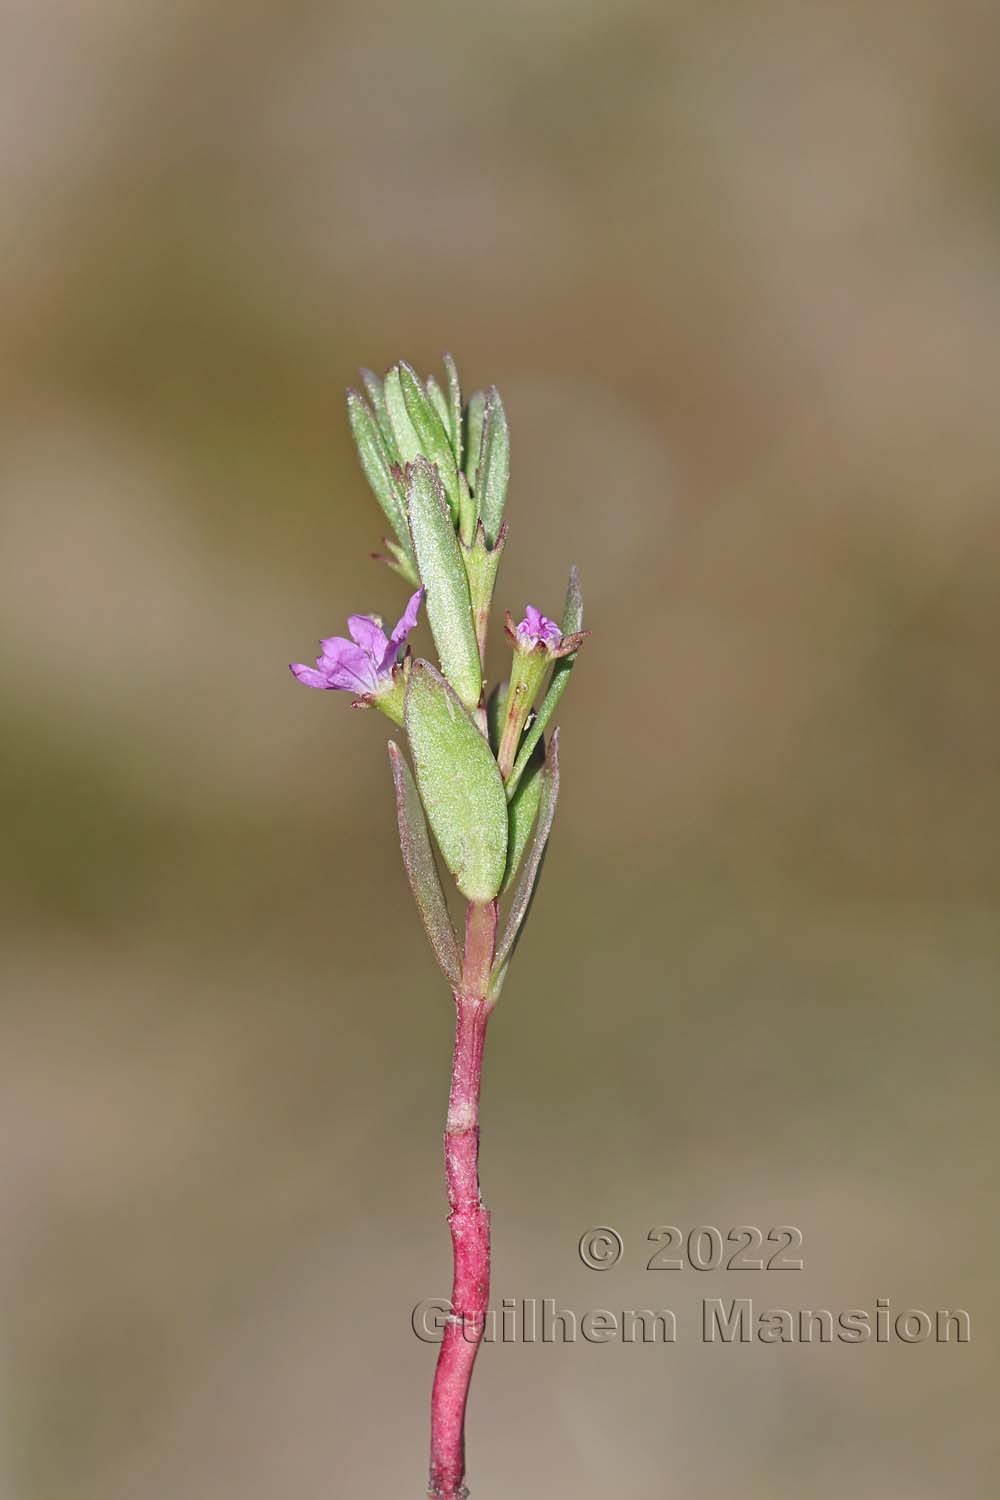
(467, 516)
(377, 465)
(572, 621)
(527, 882)
(496, 703)
(494, 466)
(439, 560)
(459, 784)
(434, 441)
(439, 401)
(473, 444)
(454, 408)
(403, 432)
(376, 395)
(522, 809)
(399, 561)
(421, 870)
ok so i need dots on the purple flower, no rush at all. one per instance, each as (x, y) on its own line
(537, 635)
(537, 630)
(364, 664)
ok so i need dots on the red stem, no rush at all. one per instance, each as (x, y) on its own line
(469, 1219)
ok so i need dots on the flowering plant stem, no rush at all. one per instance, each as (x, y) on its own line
(469, 1219)
(484, 788)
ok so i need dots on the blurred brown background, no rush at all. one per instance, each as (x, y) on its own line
(736, 272)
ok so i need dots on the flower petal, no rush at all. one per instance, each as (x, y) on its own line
(347, 666)
(404, 625)
(366, 631)
(308, 676)
(537, 629)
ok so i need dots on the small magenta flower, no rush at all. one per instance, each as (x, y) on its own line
(537, 642)
(537, 633)
(537, 629)
(365, 664)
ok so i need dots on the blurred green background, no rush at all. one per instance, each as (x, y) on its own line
(736, 272)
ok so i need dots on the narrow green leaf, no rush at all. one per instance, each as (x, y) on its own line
(572, 621)
(454, 407)
(527, 882)
(399, 561)
(459, 783)
(403, 432)
(522, 809)
(439, 401)
(439, 560)
(432, 435)
(467, 515)
(376, 395)
(472, 447)
(377, 465)
(495, 705)
(494, 466)
(421, 869)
